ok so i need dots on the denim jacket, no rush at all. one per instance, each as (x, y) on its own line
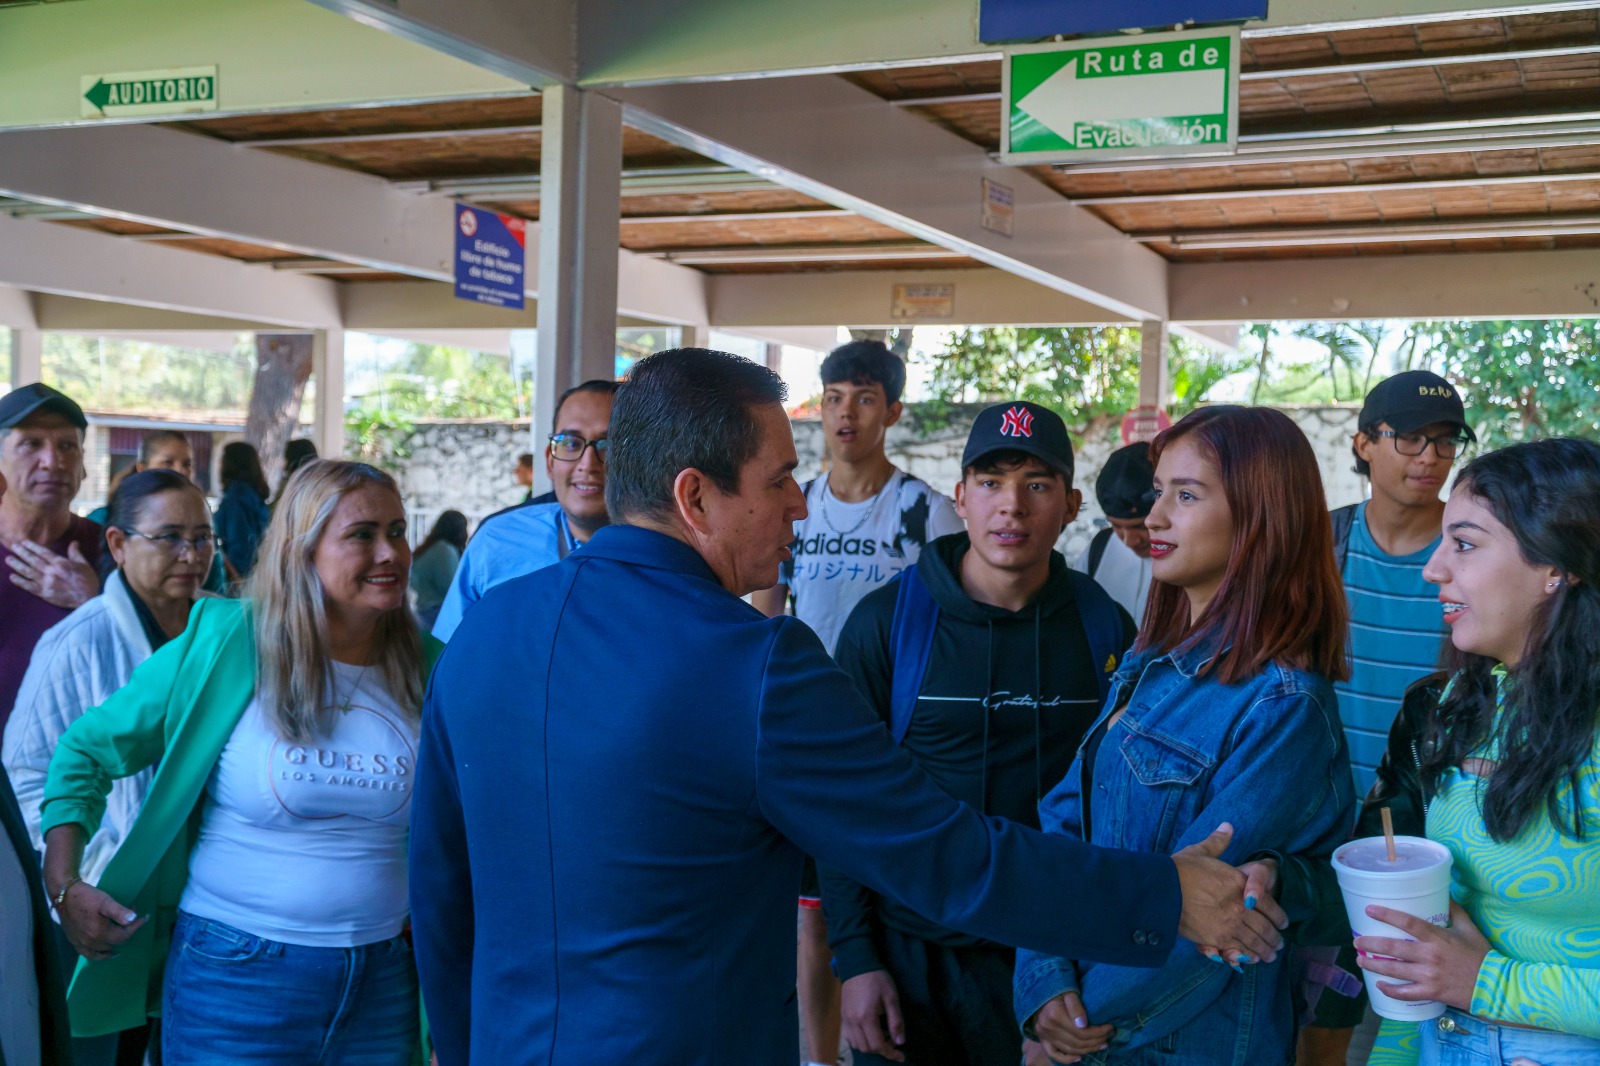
(1189, 753)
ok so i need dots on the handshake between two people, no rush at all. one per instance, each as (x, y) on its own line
(1229, 914)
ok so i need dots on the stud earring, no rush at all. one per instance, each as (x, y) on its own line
(1553, 584)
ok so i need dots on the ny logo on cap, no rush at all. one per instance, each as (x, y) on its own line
(1016, 422)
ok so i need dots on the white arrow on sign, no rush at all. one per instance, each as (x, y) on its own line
(1063, 99)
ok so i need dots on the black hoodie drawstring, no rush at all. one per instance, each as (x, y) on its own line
(1038, 706)
(983, 794)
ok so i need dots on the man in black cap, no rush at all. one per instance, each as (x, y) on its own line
(50, 554)
(1412, 427)
(1119, 556)
(987, 659)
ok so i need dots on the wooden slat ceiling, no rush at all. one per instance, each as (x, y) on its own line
(1484, 71)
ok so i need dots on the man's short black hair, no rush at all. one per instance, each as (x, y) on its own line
(1006, 460)
(686, 408)
(599, 385)
(1363, 467)
(525, 459)
(866, 363)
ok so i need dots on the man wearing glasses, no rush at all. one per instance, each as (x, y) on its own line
(1411, 429)
(50, 553)
(523, 539)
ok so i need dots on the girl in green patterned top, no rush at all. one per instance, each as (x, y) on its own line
(1511, 761)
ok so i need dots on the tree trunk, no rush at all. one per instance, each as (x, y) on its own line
(897, 341)
(283, 366)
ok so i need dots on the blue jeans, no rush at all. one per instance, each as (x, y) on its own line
(234, 998)
(1459, 1039)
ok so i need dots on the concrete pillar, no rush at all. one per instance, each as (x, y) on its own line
(27, 357)
(327, 364)
(580, 191)
(774, 357)
(1155, 384)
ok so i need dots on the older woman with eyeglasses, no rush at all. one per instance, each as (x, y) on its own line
(159, 533)
(260, 895)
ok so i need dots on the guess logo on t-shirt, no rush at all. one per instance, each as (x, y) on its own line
(363, 769)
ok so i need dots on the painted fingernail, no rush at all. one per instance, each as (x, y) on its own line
(1236, 968)
(1081, 1023)
(1249, 903)
(1214, 958)
(1244, 958)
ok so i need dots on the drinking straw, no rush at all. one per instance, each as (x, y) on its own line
(1388, 833)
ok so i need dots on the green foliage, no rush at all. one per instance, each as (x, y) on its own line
(107, 373)
(1084, 373)
(433, 381)
(377, 437)
(1522, 380)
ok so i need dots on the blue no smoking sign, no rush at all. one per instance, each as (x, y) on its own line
(491, 256)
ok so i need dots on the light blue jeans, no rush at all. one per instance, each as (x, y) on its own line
(1459, 1039)
(234, 999)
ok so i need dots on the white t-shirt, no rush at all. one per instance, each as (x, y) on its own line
(842, 551)
(306, 843)
(1124, 576)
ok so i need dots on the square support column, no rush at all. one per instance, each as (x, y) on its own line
(580, 199)
(27, 357)
(1155, 385)
(327, 364)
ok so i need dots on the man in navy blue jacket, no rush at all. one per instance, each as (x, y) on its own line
(621, 764)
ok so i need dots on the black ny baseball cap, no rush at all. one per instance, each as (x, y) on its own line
(1126, 485)
(18, 404)
(1020, 426)
(1413, 400)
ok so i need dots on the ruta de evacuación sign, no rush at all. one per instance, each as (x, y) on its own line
(1150, 95)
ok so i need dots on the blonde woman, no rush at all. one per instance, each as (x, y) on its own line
(259, 896)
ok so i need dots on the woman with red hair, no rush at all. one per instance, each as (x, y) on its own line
(1223, 712)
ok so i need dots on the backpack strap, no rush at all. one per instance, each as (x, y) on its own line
(916, 616)
(1102, 624)
(1343, 519)
(1097, 549)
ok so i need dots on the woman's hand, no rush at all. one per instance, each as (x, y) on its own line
(1260, 893)
(1064, 1030)
(1441, 964)
(96, 924)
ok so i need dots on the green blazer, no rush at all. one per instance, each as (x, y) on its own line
(177, 710)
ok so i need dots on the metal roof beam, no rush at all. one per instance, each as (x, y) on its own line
(819, 253)
(1455, 229)
(305, 209)
(1561, 130)
(371, 138)
(1293, 191)
(78, 262)
(1481, 285)
(916, 178)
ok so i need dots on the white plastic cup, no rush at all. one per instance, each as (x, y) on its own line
(1417, 882)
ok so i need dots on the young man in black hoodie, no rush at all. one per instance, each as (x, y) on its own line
(988, 660)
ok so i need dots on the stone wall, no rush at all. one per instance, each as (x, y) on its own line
(468, 465)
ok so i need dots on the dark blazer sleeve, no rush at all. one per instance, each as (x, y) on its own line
(850, 907)
(442, 918)
(830, 779)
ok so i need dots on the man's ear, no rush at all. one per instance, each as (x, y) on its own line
(1074, 505)
(549, 465)
(689, 491)
(961, 498)
(896, 409)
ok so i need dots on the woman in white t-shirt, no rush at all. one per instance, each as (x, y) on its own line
(270, 857)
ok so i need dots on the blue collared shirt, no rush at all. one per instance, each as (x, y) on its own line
(506, 545)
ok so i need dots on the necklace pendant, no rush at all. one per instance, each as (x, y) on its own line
(345, 707)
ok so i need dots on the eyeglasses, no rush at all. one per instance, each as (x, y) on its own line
(569, 447)
(1445, 445)
(174, 543)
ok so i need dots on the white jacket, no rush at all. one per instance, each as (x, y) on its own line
(78, 662)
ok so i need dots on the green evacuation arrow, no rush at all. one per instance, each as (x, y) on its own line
(174, 91)
(99, 93)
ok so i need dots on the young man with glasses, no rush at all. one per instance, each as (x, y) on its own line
(529, 537)
(1411, 429)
